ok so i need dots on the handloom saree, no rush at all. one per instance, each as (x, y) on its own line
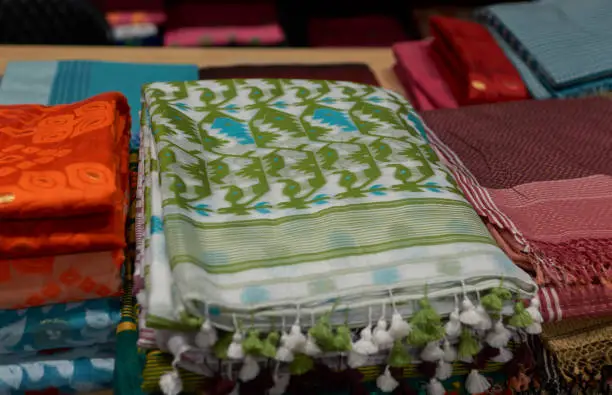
(82, 369)
(581, 347)
(472, 63)
(309, 164)
(563, 42)
(353, 72)
(129, 362)
(58, 326)
(539, 173)
(212, 24)
(57, 279)
(158, 363)
(418, 74)
(67, 81)
(57, 163)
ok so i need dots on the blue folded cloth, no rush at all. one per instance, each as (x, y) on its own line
(60, 82)
(80, 369)
(564, 42)
(62, 325)
(539, 89)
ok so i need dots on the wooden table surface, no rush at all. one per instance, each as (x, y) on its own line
(380, 60)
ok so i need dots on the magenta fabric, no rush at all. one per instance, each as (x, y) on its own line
(197, 23)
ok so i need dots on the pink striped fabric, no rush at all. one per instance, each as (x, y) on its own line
(537, 173)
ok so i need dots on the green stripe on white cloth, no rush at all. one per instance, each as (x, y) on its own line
(284, 194)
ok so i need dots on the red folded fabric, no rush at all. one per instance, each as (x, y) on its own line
(473, 65)
(417, 73)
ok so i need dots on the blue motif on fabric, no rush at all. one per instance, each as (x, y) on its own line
(334, 118)
(233, 129)
(341, 240)
(157, 225)
(214, 258)
(384, 276)
(214, 311)
(254, 295)
(58, 325)
(84, 369)
(418, 124)
(203, 209)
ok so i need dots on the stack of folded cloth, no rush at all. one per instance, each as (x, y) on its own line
(295, 230)
(561, 48)
(135, 22)
(217, 23)
(63, 197)
(538, 174)
(462, 65)
(68, 81)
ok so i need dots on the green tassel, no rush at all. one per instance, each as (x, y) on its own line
(398, 357)
(492, 302)
(301, 364)
(322, 334)
(502, 292)
(269, 345)
(521, 317)
(252, 345)
(468, 345)
(221, 346)
(426, 325)
(342, 340)
(190, 321)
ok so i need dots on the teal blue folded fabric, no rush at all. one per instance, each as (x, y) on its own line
(60, 82)
(539, 86)
(62, 325)
(565, 42)
(81, 369)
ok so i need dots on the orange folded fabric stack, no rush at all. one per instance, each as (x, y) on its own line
(63, 200)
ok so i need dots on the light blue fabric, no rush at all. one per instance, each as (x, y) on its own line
(27, 82)
(564, 42)
(81, 369)
(73, 80)
(59, 326)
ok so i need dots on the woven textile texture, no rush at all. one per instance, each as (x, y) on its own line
(538, 177)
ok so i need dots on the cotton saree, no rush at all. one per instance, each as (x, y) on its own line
(538, 173)
(63, 177)
(277, 157)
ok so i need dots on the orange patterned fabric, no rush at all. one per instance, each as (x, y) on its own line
(65, 278)
(63, 177)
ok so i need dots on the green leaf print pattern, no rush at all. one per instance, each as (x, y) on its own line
(300, 136)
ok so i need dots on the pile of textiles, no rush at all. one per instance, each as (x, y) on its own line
(135, 22)
(543, 186)
(218, 23)
(68, 81)
(561, 48)
(293, 231)
(63, 199)
(461, 65)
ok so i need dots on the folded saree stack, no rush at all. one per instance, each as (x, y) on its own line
(561, 48)
(296, 230)
(63, 198)
(538, 174)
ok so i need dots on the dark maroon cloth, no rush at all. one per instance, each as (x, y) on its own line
(509, 144)
(353, 72)
(539, 172)
(364, 31)
(194, 13)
